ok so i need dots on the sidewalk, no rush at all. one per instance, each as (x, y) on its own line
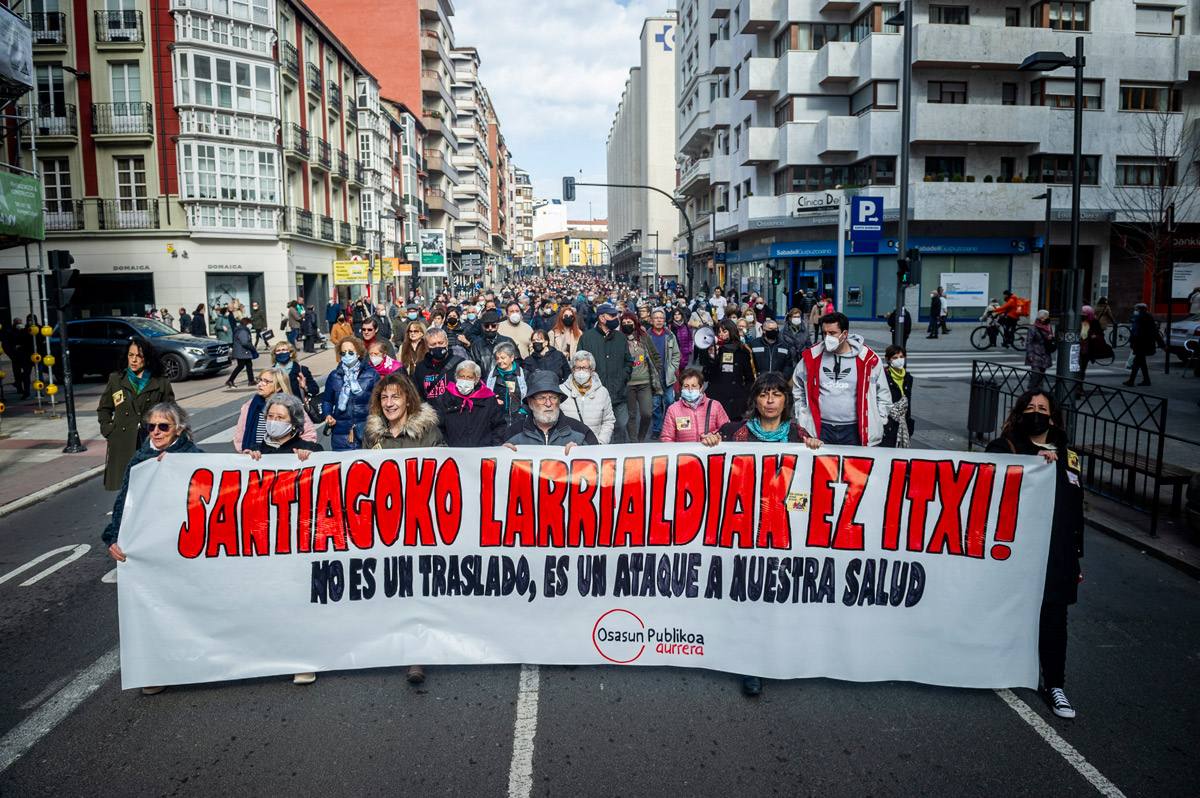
(31, 456)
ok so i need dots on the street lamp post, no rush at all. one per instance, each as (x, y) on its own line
(1045, 259)
(903, 19)
(1068, 332)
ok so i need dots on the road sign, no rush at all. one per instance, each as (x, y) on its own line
(649, 266)
(866, 218)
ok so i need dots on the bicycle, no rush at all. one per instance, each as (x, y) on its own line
(1118, 336)
(990, 334)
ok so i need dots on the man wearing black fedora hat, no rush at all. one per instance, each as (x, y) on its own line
(543, 423)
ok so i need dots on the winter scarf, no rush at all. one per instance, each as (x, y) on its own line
(138, 383)
(468, 401)
(350, 386)
(778, 435)
(254, 420)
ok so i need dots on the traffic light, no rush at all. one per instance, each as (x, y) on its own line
(776, 277)
(907, 265)
(568, 189)
(60, 261)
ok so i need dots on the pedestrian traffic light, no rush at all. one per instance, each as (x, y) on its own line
(776, 277)
(907, 265)
(568, 189)
(60, 261)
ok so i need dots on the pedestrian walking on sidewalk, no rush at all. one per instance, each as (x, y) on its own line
(185, 321)
(944, 316)
(1092, 344)
(1040, 346)
(199, 325)
(223, 325)
(935, 314)
(244, 353)
(20, 349)
(136, 386)
(1144, 340)
(1034, 427)
(258, 323)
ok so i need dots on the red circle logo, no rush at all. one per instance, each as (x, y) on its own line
(619, 636)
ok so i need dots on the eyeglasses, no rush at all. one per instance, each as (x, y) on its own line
(415, 331)
(162, 426)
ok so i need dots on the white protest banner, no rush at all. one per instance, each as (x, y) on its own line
(772, 560)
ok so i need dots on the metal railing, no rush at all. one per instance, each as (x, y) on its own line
(343, 164)
(63, 215)
(298, 221)
(345, 233)
(326, 227)
(324, 152)
(289, 56)
(335, 95)
(138, 213)
(124, 27)
(118, 118)
(48, 27)
(312, 76)
(360, 171)
(295, 138)
(360, 236)
(1120, 435)
(54, 119)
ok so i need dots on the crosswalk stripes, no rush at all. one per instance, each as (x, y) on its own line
(956, 366)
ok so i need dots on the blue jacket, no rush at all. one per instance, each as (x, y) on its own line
(355, 414)
(182, 445)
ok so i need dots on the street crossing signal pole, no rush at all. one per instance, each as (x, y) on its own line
(60, 261)
(569, 184)
(903, 260)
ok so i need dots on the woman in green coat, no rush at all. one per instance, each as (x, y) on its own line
(129, 394)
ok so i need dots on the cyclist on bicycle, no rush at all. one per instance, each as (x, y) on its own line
(990, 319)
(1008, 315)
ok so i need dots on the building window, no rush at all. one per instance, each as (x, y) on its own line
(947, 92)
(1057, 169)
(949, 15)
(783, 112)
(226, 83)
(942, 167)
(131, 183)
(1153, 97)
(1008, 168)
(1132, 171)
(232, 174)
(1012, 17)
(1008, 94)
(51, 94)
(821, 177)
(877, 95)
(56, 185)
(1060, 16)
(1060, 93)
(1159, 20)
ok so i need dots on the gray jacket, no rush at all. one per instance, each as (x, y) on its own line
(567, 430)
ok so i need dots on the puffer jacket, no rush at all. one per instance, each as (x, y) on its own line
(593, 408)
(686, 424)
(354, 417)
(420, 431)
(684, 336)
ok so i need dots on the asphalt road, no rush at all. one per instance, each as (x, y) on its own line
(1132, 674)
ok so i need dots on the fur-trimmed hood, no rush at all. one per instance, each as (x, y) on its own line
(415, 427)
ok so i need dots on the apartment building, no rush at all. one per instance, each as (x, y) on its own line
(784, 110)
(571, 249)
(522, 220)
(200, 151)
(474, 163)
(641, 151)
(501, 198)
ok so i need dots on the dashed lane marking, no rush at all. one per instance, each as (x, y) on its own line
(520, 772)
(75, 553)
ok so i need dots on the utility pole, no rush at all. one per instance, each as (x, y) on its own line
(903, 261)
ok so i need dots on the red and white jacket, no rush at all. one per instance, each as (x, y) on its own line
(872, 395)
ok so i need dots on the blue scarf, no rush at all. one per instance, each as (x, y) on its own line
(779, 435)
(138, 383)
(250, 438)
(350, 386)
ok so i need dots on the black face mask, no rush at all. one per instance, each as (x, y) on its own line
(770, 335)
(568, 319)
(538, 347)
(1032, 424)
(438, 352)
(627, 329)
(452, 321)
(612, 324)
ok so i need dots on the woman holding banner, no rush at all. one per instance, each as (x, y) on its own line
(1034, 427)
(768, 420)
(398, 419)
(469, 412)
(694, 415)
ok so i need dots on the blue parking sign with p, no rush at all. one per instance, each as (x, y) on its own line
(866, 218)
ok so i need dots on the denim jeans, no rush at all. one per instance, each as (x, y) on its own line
(840, 434)
(661, 403)
(621, 411)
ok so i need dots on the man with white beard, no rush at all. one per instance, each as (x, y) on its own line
(543, 424)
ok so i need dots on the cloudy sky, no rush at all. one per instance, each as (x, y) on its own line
(555, 70)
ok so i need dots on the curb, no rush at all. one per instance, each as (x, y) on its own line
(1191, 569)
(47, 492)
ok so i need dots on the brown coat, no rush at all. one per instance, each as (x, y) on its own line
(120, 414)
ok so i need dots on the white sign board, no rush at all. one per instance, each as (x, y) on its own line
(965, 289)
(1184, 280)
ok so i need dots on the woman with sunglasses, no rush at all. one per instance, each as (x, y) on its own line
(135, 387)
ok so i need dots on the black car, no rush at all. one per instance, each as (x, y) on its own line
(97, 345)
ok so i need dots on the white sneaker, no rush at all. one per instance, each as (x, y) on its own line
(304, 678)
(1059, 703)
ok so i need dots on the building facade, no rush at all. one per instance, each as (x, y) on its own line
(785, 110)
(571, 249)
(522, 221)
(641, 151)
(474, 164)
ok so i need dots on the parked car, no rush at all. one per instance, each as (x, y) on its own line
(1181, 333)
(97, 344)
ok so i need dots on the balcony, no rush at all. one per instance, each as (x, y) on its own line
(53, 123)
(119, 28)
(298, 221)
(227, 124)
(695, 176)
(345, 234)
(289, 59)
(759, 16)
(762, 146)
(437, 201)
(138, 213)
(351, 109)
(123, 120)
(63, 215)
(360, 237)
(759, 79)
(326, 227)
(343, 165)
(296, 140)
(312, 77)
(836, 134)
(335, 96)
(323, 153)
(49, 29)
(835, 63)
(432, 82)
(360, 172)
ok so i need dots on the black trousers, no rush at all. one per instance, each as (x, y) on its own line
(1140, 364)
(1052, 645)
(248, 365)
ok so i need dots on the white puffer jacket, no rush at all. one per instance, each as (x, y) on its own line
(593, 408)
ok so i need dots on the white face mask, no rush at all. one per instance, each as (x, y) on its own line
(514, 318)
(376, 360)
(832, 342)
(582, 376)
(796, 321)
(465, 387)
(898, 363)
(277, 429)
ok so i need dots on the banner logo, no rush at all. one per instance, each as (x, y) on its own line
(619, 636)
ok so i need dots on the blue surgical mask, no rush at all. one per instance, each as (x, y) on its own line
(349, 359)
(283, 357)
(691, 395)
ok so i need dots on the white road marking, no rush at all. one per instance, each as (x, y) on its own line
(26, 734)
(520, 772)
(76, 552)
(110, 578)
(1064, 748)
(50, 690)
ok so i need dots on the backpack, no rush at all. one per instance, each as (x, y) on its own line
(1022, 306)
